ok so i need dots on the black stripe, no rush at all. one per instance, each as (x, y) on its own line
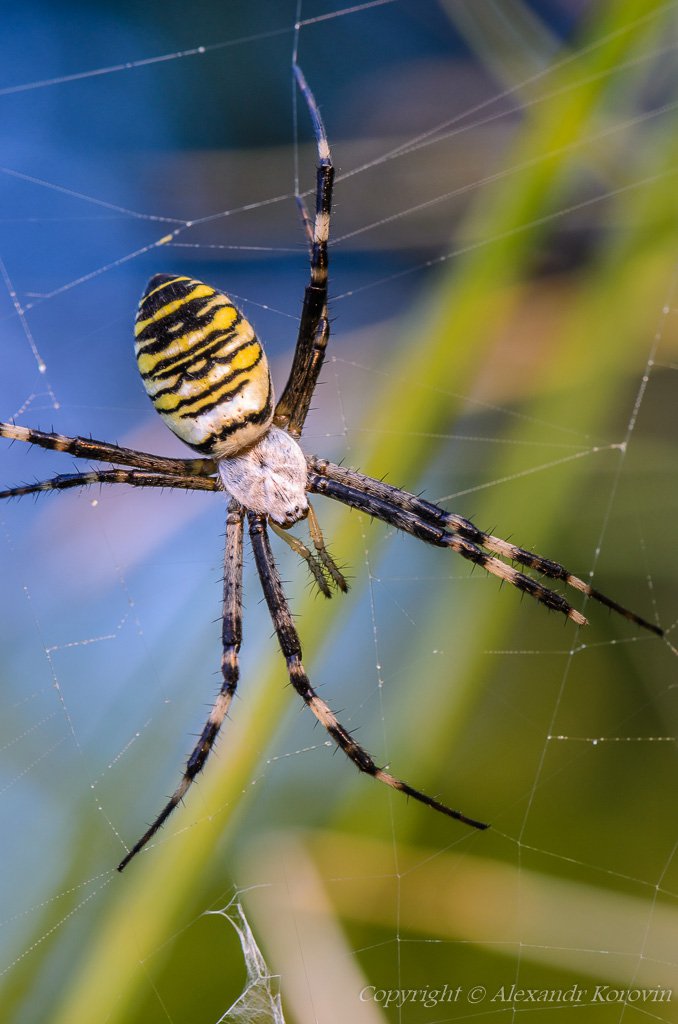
(186, 314)
(194, 370)
(185, 375)
(153, 303)
(196, 761)
(226, 396)
(231, 428)
(189, 324)
(204, 348)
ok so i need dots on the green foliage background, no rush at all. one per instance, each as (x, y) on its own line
(359, 885)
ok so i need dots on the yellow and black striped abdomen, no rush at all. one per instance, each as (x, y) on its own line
(202, 365)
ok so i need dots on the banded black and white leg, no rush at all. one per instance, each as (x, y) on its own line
(132, 477)
(103, 451)
(314, 327)
(290, 646)
(435, 525)
(231, 641)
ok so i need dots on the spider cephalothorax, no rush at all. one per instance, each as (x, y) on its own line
(207, 375)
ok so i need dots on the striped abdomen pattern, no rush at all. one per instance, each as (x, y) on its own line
(202, 365)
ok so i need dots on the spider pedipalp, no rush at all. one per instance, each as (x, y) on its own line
(206, 373)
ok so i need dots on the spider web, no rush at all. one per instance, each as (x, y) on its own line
(504, 302)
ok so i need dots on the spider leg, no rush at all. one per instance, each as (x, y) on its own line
(136, 478)
(314, 327)
(102, 451)
(231, 640)
(464, 528)
(437, 535)
(300, 549)
(323, 554)
(306, 221)
(291, 649)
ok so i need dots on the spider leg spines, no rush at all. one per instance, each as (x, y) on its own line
(330, 565)
(554, 570)
(408, 512)
(290, 646)
(175, 799)
(315, 566)
(631, 616)
(209, 380)
(133, 477)
(200, 753)
(403, 787)
(432, 533)
(103, 451)
(231, 637)
(360, 757)
(517, 579)
(314, 327)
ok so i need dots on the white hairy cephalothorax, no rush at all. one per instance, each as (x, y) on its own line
(269, 477)
(207, 375)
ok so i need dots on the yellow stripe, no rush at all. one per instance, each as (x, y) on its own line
(165, 285)
(240, 364)
(189, 347)
(224, 317)
(218, 300)
(200, 401)
(203, 366)
(199, 292)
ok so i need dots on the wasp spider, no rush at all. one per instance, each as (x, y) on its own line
(207, 375)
